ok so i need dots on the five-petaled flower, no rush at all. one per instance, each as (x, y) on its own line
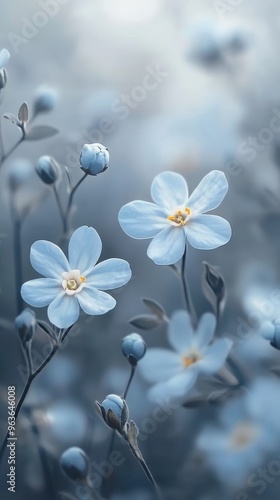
(69, 285)
(174, 372)
(176, 217)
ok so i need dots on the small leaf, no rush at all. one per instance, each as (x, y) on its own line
(213, 286)
(12, 118)
(155, 307)
(132, 433)
(23, 113)
(145, 321)
(40, 132)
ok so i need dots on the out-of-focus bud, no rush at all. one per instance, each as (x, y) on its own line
(48, 169)
(271, 331)
(26, 325)
(75, 464)
(3, 78)
(94, 158)
(4, 57)
(133, 348)
(45, 99)
(20, 172)
(114, 411)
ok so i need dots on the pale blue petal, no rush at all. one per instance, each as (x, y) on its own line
(40, 292)
(109, 274)
(84, 249)
(176, 389)
(169, 190)
(215, 356)
(48, 259)
(168, 246)
(94, 302)
(4, 57)
(205, 331)
(180, 332)
(64, 310)
(141, 219)
(206, 232)
(159, 364)
(209, 193)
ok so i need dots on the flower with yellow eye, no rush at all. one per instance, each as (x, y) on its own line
(74, 283)
(174, 372)
(176, 217)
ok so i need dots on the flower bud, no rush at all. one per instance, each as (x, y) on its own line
(20, 172)
(26, 324)
(48, 169)
(3, 78)
(4, 57)
(75, 464)
(133, 348)
(94, 159)
(114, 411)
(271, 332)
(45, 99)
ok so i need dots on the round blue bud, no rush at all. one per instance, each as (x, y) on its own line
(25, 324)
(94, 158)
(114, 411)
(133, 348)
(48, 169)
(45, 99)
(75, 464)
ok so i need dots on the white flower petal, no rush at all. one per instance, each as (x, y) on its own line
(84, 249)
(168, 246)
(159, 364)
(215, 356)
(180, 332)
(141, 219)
(48, 259)
(169, 190)
(40, 292)
(4, 57)
(176, 389)
(64, 310)
(94, 302)
(206, 232)
(205, 330)
(110, 274)
(209, 193)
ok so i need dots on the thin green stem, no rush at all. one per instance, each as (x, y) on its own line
(186, 290)
(69, 205)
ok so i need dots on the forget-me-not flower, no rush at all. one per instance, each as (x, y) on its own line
(176, 217)
(249, 429)
(174, 372)
(74, 283)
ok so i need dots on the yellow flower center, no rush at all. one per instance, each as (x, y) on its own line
(190, 359)
(243, 434)
(73, 282)
(180, 217)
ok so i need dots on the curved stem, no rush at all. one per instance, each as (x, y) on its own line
(69, 205)
(13, 148)
(186, 290)
(60, 209)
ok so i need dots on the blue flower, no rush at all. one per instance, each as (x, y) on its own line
(174, 372)
(45, 99)
(69, 285)
(175, 217)
(4, 58)
(248, 430)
